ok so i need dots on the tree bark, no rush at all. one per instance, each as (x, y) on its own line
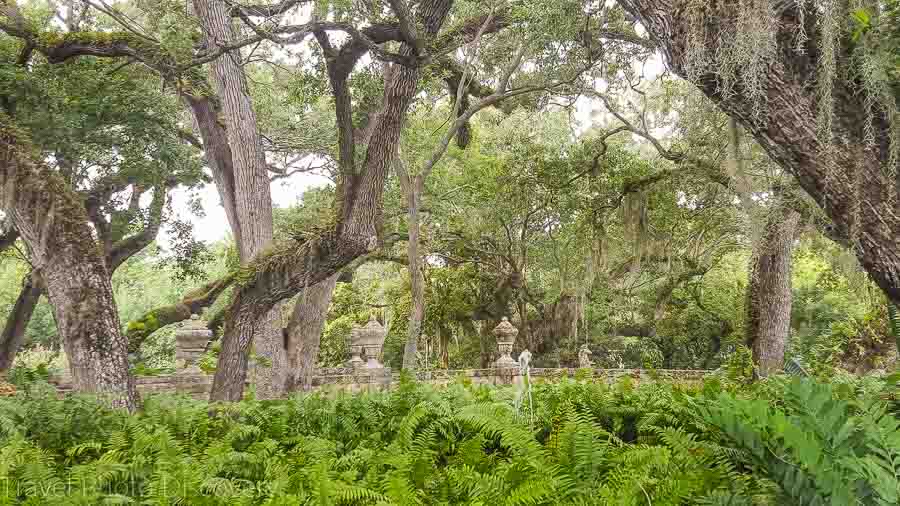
(54, 225)
(841, 176)
(252, 198)
(413, 188)
(769, 291)
(417, 288)
(17, 322)
(304, 332)
(116, 253)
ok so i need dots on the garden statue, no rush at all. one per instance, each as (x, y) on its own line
(584, 357)
(524, 361)
(506, 337)
(190, 343)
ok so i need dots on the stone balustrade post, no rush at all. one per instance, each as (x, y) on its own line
(190, 344)
(355, 349)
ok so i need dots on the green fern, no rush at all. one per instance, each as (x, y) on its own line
(587, 444)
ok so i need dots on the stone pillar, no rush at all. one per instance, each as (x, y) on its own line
(371, 339)
(506, 337)
(190, 343)
(355, 349)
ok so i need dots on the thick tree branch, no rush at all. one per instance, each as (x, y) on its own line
(263, 10)
(126, 248)
(193, 303)
(407, 26)
(849, 177)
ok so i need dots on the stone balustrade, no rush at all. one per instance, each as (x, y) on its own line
(361, 379)
(359, 375)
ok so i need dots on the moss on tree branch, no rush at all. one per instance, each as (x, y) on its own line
(193, 302)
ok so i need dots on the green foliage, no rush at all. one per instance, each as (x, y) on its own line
(586, 443)
(817, 447)
(23, 375)
(894, 320)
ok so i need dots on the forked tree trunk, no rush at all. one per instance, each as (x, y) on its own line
(54, 225)
(275, 279)
(843, 175)
(252, 200)
(769, 291)
(14, 330)
(304, 332)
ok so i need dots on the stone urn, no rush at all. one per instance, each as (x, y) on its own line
(355, 349)
(190, 343)
(506, 337)
(370, 339)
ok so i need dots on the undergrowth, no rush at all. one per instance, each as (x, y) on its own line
(777, 442)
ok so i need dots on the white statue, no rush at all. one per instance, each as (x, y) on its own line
(524, 360)
(584, 357)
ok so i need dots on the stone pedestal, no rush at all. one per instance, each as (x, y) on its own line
(369, 339)
(356, 350)
(506, 337)
(190, 344)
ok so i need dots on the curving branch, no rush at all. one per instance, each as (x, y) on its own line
(127, 247)
(263, 10)
(14, 330)
(192, 303)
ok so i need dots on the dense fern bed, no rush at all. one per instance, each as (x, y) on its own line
(576, 442)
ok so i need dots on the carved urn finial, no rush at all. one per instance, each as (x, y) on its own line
(190, 343)
(506, 337)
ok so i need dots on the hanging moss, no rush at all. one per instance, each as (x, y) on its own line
(745, 47)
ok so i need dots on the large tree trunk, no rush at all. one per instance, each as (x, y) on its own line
(252, 198)
(14, 330)
(274, 279)
(769, 291)
(54, 225)
(856, 175)
(304, 332)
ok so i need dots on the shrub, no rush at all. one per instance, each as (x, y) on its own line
(579, 442)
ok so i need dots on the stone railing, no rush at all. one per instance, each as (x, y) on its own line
(357, 380)
(370, 374)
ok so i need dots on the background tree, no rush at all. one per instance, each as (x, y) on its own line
(101, 137)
